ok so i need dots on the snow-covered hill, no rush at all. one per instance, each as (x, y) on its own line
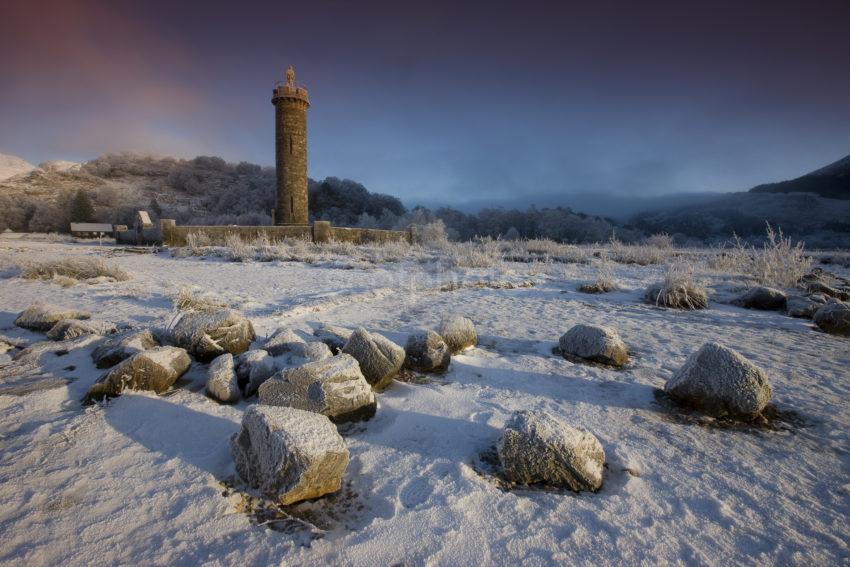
(11, 166)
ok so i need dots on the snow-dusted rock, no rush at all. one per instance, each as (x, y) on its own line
(539, 448)
(834, 317)
(427, 352)
(121, 347)
(207, 334)
(42, 316)
(458, 332)
(253, 368)
(595, 343)
(801, 307)
(221, 379)
(334, 387)
(720, 381)
(829, 291)
(380, 359)
(334, 337)
(289, 454)
(155, 369)
(285, 342)
(766, 298)
(73, 328)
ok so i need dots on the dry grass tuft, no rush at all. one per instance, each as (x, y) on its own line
(679, 290)
(82, 268)
(187, 300)
(604, 281)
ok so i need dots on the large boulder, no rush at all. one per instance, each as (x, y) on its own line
(222, 384)
(289, 454)
(538, 448)
(334, 337)
(380, 359)
(73, 328)
(720, 381)
(334, 387)
(834, 317)
(155, 369)
(802, 307)
(458, 332)
(42, 316)
(207, 334)
(595, 343)
(765, 298)
(121, 347)
(286, 343)
(426, 351)
(253, 368)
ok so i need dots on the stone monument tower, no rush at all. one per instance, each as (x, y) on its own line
(291, 104)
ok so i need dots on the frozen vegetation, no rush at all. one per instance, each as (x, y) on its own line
(441, 403)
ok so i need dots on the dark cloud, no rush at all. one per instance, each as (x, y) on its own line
(443, 101)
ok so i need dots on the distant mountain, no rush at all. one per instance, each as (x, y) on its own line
(832, 182)
(11, 166)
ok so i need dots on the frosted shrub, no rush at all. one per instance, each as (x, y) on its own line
(641, 254)
(679, 290)
(478, 253)
(431, 235)
(237, 249)
(661, 240)
(778, 263)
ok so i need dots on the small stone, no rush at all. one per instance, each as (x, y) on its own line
(765, 298)
(222, 383)
(834, 317)
(595, 343)
(720, 381)
(121, 347)
(73, 328)
(43, 316)
(334, 387)
(253, 368)
(458, 332)
(380, 359)
(538, 448)
(289, 454)
(207, 334)
(427, 352)
(155, 369)
(334, 337)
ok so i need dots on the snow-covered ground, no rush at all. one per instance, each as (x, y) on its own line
(148, 480)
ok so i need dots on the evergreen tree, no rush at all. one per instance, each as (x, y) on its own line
(81, 208)
(155, 208)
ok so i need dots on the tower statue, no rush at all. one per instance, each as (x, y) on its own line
(291, 104)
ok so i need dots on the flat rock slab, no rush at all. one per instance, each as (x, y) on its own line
(289, 454)
(73, 328)
(334, 387)
(43, 316)
(155, 370)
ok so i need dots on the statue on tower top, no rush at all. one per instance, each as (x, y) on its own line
(290, 77)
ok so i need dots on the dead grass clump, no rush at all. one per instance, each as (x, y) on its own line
(604, 281)
(237, 249)
(679, 290)
(478, 253)
(81, 268)
(640, 254)
(187, 300)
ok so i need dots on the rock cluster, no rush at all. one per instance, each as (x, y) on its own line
(73, 328)
(289, 454)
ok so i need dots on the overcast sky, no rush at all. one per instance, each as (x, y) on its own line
(443, 101)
